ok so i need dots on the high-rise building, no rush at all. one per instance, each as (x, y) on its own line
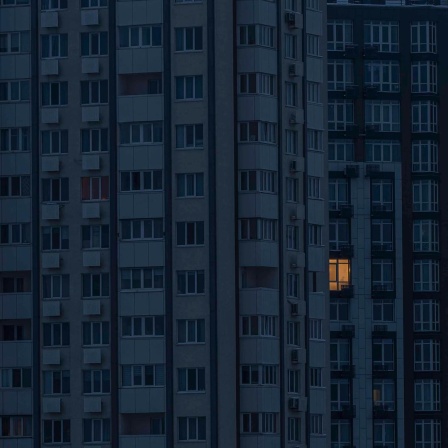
(163, 268)
(387, 64)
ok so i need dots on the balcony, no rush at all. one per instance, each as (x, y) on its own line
(346, 332)
(351, 91)
(343, 410)
(346, 291)
(377, 208)
(385, 289)
(370, 51)
(341, 250)
(383, 367)
(351, 51)
(383, 410)
(341, 210)
(352, 171)
(382, 250)
(340, 369)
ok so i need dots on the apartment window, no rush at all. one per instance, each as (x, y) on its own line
(55, 238)
(315, 235)
(95, 333)
(293, 285)
(424, 77)
(141, 133)
(54, 142)
(94, 140)
(94, 44)
(259, 326)
(55, 190)
(95, 285)
(339, 34)
(48, 5)
(382, 195)
(258, 229)
(340, 354)
(340, 433)
(383, 354)
(382, 151)
(291, 5)
(185, 1)
(142, 278)
(256, 83)
(426, 315)
(292, 237)
(382, 234)
(424, 116)
(257, 131)
(191, 380)
(425, 196)
(191, 429)
(291, 142)
(423, 37)
(340, 74)
(340, 114)
(339, 272)
(15, 42)
(314, 140)
(11, 283)
(189, 87)
(341, 150)
(16, 426)
(384, 433)
(382, 74)
(190, 331)
(260, 181)
(55, 286)
(383, 310)
(428, 434)
(293, 333)
(94, 3)
(294, 381)
(140, 36)
(146, 326)
(383, 275)
(294, 429)
(261, 35)
(15, 233)
(384, 394)
(339, 234)
(190, 185)
(189, 39)
(382, 35)
(190, 282)
(56, 382)
(313, 94)
(142, 229)
(56, 431)
(14, 2)
(313, 5)
(54, 46)
(315, 329)
(190, 136)
(54, 93)
(56, 334)
(96, 382)
(426, 355)
(15, 378)
(426, 275)
(316, 424)
(427, 395)
(96, 429)
(425, 156)
(15, 139)
(95, 237)
(426, 235)
(190, 233)
(94, 92)
(14, 91)
(339, 309)
(259, 423)
(143, 376)
(292, 189)
(316, 376)
(141, 180)
(340, 394)
(383, 116)
(312, 45)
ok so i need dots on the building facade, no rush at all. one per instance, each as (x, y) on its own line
(386, 70)
(163, 268)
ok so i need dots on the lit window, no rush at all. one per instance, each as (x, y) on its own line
(339, 274)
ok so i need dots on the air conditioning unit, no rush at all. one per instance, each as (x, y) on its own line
(380, 328)
(290, 19)
(293, 119)
(292, 70)
(293, 217)
(294, 309)
(293, 404)
(293, 166)
(295, 356)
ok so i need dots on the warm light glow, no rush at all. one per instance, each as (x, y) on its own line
(339, 273)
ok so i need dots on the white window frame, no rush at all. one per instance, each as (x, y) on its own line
(340, 34)
(423, 37)
(426, 355)
(382, 74)
(384, 115)
(340, 114)
(424, 77)
(426, 315)
(340, 74)
(425, 116)
(375, 31)
(425, 194)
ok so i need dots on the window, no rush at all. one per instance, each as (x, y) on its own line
(96, 429)
(340, 74)
(190, 185)
(95, 333)
(56, 334)
(340, 394)
(261, 35)
(291, 142)
(95, 285)
(291, 94)
(292, 237)
(190, 136)
(146, 326)
(382, 151)
(15, 233)
(54, 46)
(382, 234)
(293, 333)
(294, 429)
(382, 74)
(95, 237)
(314, 139)
(423, 37)
(141, 133)
(55, 190)
(383, 275)
(293, 285)
(383, 310)
(424, 116)
(55, 286)
(190, 331)
(191, 380)
(140, 36)
(190, 282)
(314, 187)
(95, 188)
(316, 424)
(94, 140)
(15, 42)
(259, 423)
(312, 45)
(190, 233)
(258, 229)
(191, 429)
(189, 39)
(94, 44)
(424, 77)
(339, 34)
(189, 87)
(383, 116)
(142, 278)
(427, 395)
(49, 5)
(56, 431)
(383, 354)
(54, 142)
(340, 354)
(426, 355)
(93, 3)
(14, 186)
(340, 433)
(256, 83)
(257, 180)
(141, 180)
(143, 376)
(294, 381)
(340, 114)
(426, 275)
(339, 234)
(315, 329)
(15, 378)
(384, 394)
(425, 156)
(96, 382)
(142, 229)
(14, 91)
(291, 5)
(55, 238)
(54, 93)
(382, 195)
(15, 139)
(384, 433)
(382, 35)
(425, 196)
(259, 326)
(428, 434)
(14, 2)
(316, 376)
(339, 309)
(94, 92)
(56, 382)
(339, 274)
(341, 150)
(16, 426)
(426, 235)
(426, 315)
(315, 235)
(257, 131)
(313, 94)
(11, 282)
